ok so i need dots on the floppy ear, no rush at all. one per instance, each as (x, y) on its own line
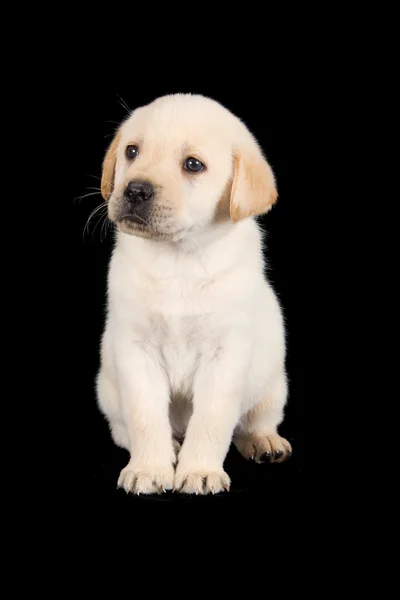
(253, 189)
(107, 176)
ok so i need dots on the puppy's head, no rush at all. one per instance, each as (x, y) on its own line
(180, 164)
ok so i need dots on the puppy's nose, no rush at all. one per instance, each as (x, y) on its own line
(137, 192)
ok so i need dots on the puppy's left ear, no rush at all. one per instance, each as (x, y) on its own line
(108, 174)
(253, 189)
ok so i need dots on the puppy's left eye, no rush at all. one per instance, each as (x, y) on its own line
(193, 165)
(131, 152)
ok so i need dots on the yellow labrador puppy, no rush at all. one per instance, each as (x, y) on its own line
(193, 350)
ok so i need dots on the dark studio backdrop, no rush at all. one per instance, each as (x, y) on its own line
(92, 116)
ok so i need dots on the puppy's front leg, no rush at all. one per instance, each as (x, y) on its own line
(217, 396)
(144, 395)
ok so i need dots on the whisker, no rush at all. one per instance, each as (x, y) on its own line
(106, 225)
(124, 104)
(99, 207)
(100, 178)
(86, 196)
(103, 219)
(99, 221)
(92, 214)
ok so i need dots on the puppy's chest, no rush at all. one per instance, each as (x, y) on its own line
(179, 321)
(178, 318)
(186, 299)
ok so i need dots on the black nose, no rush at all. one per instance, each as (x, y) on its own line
(137, 192)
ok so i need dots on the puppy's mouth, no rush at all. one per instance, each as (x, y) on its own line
(132, 227)
(154, 224)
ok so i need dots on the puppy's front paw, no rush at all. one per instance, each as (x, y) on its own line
(146, 480)
(269, 448)
(201, 481)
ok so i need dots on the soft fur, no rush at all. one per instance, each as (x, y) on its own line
(193, 352)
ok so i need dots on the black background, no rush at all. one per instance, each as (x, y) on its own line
(75, 266)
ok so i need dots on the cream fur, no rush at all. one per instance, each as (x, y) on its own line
(194, 344)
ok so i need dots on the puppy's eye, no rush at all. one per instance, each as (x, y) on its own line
(193, 165)
(131, 152)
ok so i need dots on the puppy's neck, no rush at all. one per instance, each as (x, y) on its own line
(216, 248)
(195, 240)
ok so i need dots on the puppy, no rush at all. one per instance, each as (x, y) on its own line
(193, 351)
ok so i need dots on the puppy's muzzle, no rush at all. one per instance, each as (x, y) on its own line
(137, 193)
(136, 204)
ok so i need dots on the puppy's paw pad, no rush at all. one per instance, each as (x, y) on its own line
(146, 481)
(201, 482)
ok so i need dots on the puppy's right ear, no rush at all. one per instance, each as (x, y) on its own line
(108, 174)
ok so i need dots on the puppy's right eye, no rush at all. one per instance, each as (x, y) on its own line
(131, 152)
(193, 165)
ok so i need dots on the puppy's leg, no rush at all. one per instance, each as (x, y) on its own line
(144, 396)
(108, 402)
(217, 393)
(107, 394)
(257, 434)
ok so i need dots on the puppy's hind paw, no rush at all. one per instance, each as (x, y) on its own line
(269, 448)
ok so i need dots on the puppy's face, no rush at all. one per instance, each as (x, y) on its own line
(181, 163)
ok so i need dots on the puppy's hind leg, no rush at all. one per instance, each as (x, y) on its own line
(257, 436)
(108, 402)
